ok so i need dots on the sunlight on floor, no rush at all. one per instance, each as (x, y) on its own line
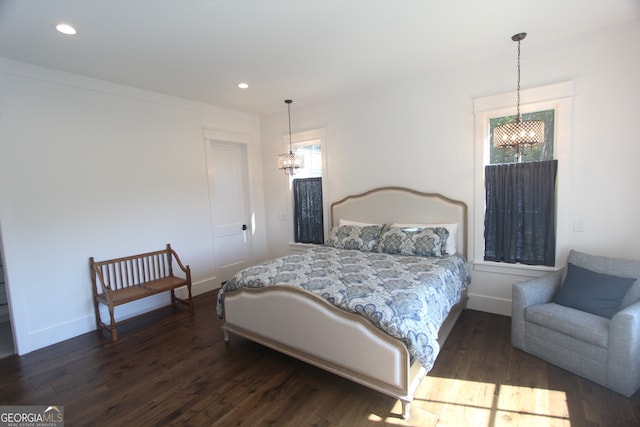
(469, 403)
(533, 404)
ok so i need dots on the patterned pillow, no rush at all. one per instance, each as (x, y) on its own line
(364, 238)
(450, 246)
(429, 241)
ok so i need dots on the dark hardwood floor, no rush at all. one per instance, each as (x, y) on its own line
(171, 368)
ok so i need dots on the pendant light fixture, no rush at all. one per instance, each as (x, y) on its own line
(518, 135)
(291, 161)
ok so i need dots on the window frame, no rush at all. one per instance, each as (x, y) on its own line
(559, 97)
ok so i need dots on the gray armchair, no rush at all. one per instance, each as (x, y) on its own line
(604, 350)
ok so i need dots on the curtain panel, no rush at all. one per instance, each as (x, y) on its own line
(519, 221)
(308, 225)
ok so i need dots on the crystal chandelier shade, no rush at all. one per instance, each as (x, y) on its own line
(290, 162)
(519, 133)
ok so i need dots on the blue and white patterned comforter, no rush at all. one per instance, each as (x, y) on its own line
(408, 297)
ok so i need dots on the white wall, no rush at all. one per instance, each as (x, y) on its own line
(419, 133)
(90, 168)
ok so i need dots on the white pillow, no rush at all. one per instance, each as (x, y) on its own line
(451, 228)
(359, 224)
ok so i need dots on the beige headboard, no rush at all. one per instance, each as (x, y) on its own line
(387, 205)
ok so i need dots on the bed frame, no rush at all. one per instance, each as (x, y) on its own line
(344, 343)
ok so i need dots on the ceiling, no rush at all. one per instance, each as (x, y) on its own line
(307, 50)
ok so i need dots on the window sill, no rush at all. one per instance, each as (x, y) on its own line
(513, 269)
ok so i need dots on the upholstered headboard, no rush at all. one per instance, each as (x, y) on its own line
(389, 205)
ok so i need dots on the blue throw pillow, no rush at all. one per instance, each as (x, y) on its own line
(596, 293)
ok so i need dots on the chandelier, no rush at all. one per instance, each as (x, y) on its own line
(520, 134)
(290, 161)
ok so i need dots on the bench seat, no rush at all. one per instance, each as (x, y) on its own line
(164, 284)
(123, 296)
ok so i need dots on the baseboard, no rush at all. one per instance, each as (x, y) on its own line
(489, 304)
(43, 337)
(199, 287)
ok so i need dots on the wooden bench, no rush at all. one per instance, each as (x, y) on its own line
(122, 280)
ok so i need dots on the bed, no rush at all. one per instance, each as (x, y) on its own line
(316, 305)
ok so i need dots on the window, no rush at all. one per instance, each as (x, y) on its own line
(552, 104)
(312, 153)
(520, 208)
(520, 195)
(308, 218)
(307, 189)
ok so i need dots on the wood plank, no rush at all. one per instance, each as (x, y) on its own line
(171, 368)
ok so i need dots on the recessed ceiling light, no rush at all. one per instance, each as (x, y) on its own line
(66, 29)
(243, 85)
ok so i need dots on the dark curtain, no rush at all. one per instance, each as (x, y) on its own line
(307, 211)
(519, 222)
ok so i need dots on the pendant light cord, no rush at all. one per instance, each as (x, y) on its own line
(289, 109)
(518, 118)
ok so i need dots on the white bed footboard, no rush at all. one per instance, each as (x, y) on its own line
(303, 325)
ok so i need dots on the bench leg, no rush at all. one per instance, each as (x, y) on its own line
(96, 307)
(190, 299)
(114, 332)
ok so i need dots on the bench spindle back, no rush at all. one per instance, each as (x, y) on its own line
(134, 270)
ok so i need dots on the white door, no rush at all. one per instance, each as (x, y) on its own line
(226, 163)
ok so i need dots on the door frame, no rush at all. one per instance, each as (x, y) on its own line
(209, 143)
